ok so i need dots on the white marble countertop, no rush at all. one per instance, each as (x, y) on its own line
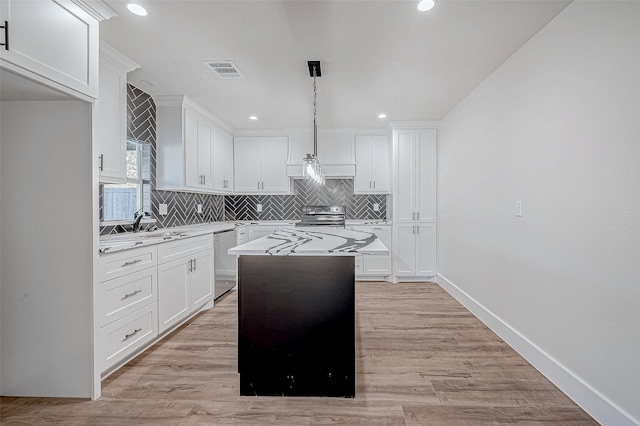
(316, 241)
(129, 240)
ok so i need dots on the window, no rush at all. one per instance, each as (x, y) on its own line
(122, 201)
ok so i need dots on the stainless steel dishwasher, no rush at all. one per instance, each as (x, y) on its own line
(224, 264)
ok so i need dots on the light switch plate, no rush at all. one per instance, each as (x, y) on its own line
(258, 208)
(519, 208)
(376, 207)
(162, 209)
(199, 208)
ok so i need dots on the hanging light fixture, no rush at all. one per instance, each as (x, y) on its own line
(311, 168)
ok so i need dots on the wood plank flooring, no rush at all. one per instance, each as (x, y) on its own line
(422, 359)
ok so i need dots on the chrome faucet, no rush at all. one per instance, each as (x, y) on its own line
(137, 220)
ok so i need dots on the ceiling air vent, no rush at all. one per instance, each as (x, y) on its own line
(224, 69)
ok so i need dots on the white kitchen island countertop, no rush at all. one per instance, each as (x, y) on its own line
(314, 241)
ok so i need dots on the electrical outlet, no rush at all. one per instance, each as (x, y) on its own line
(162, 209)
(199, 208)
(376, 207)
(519, 208)
(259, 208)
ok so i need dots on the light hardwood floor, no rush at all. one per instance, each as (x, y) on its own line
(422, 359)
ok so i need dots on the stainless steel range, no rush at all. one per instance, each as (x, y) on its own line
(323, 216)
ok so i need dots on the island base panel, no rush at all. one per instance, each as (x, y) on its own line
(296, 325)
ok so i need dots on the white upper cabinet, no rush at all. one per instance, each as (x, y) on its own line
(335, 151)
(198, 146)
(260, 165)
(373, 174)
(222, 161)
(111, 115)
(187, 147)
(53, 42)
(415, 189)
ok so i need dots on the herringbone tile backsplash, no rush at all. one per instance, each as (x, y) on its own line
(182, 206)
(287, 207)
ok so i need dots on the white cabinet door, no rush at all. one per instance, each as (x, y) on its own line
(362, 182)
(247, 161)
(373, 174)
(222, 162)
(56, 40)
(405, 188)
(110, 124)
(274, 165)
(426, 249)
(379, 265)
(404, 250)
(173, 292)
(201, 277)
(380, 165)
(260, 165)
(205, 153)
(426, 184)
(192, 176)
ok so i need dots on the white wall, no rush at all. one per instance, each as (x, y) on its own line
(47, 245)
(557, 126)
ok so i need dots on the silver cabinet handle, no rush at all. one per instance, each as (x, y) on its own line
(413, 216)
(369, 184)
(195, 264)
(374, 184)
(126, 296)
(132, 262)
(262, 185)
(417, 229)
(418, 216)
(190, 265)
(101, 163)
(136, 331)
(258, 184)
(204, 179)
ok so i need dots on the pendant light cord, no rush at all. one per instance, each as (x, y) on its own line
(315, 115)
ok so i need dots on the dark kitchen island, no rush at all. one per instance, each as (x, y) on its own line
(297, 311)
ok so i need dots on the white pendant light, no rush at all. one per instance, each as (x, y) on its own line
(425, 5)
(311, 168)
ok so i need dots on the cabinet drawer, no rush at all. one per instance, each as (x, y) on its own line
(121, 296)
(122, 338)
(184, 247)
(115, 265)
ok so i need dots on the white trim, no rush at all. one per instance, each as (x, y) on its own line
(589, 399)
(98, 9)
(120, 60)
(413, 125)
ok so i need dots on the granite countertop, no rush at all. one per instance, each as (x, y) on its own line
(325, 241)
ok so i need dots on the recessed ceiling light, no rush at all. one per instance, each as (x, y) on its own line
(147, 83)
(425, 5)
(136, 9)
(253, 117)
(382, 115)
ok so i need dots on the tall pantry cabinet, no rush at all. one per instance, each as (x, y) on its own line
(414, 204)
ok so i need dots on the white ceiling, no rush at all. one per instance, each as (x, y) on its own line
(376, 56)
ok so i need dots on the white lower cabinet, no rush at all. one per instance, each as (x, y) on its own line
(414, 250)
(185, 279)
(126, 308)
(371, 267)
(124, 337)
(145, 291)
(201, 286)
(173, 286)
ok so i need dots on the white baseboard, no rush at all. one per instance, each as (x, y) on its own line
(589, 399)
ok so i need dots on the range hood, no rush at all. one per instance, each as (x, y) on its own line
(336, 152)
